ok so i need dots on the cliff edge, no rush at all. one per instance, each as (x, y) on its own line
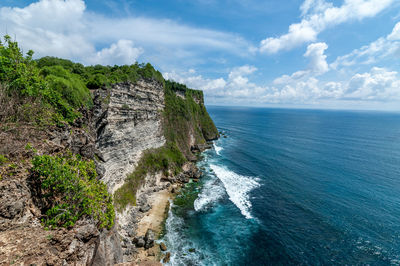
(89, 157)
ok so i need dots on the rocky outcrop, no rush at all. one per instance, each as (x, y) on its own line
(200, 147)
(127, 122)
(23, 240)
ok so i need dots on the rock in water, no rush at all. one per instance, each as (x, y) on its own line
(167, 257)
(163, 247)
(149, 239)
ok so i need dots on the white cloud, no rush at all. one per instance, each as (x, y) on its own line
(317, 57)
(65, 29)
(382, 48)
(318, 16)
(314, 6)
(122, 52)
(316, 67)
(378, 84)
(235, 88)
(395, 35)
(243, 70)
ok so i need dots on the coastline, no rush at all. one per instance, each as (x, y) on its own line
(155, 218)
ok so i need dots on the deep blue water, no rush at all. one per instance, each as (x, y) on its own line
(294, 187)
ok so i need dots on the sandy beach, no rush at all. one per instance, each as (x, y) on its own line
(155, 216)
(153, 219)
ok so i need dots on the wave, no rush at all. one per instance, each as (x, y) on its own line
(180, 245)
(238, 188)
(211, 192)
(217, 149)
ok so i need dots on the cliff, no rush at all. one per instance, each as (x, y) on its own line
(140, 131)
(128, 122)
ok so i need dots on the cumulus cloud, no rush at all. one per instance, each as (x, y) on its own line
(382, 48)
(64, 28)
(234, 88)
(316, 67)
(319, 15)
(123, 52)
(317, 57)
(378, 84)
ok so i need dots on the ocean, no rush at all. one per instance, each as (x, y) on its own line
(292, 187)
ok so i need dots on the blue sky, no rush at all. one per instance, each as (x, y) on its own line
(294, 53)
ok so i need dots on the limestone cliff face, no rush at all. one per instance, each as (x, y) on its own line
(131, 118)
(128, 121)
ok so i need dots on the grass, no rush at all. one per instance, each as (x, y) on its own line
(167, 159)
(180, 118)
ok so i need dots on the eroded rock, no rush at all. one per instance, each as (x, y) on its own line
(149, 239)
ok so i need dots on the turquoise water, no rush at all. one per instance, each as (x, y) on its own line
(294, 187)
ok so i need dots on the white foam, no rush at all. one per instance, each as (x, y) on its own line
(237, 187)
(178, 244)
(211, 192)
(217, 149)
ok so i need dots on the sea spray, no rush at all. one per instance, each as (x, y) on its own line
(196, 235)
(217, 149)
(211, 192)
(238, 188)
(183, 250)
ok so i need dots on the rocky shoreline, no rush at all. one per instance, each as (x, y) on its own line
(152, 213)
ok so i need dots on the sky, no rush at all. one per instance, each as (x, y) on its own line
(330, 54)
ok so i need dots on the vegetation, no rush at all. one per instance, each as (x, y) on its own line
(53, 90)
(183, 114)
(165, 159)
(71, 191)
(3, 159)
(97, 76)
(185, 200)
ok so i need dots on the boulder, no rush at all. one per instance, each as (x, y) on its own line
(145, 208)
(149, 239)
(167, 257)
(200, 147)
(86, 232)
(140, 242)
(163, 247)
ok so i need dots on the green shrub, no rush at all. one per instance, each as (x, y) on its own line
(65, 91)
(71, 190)
(164, 159)
(3, 159)
(61, 87)
(19, 73)
(182, 115)
(97, 81)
